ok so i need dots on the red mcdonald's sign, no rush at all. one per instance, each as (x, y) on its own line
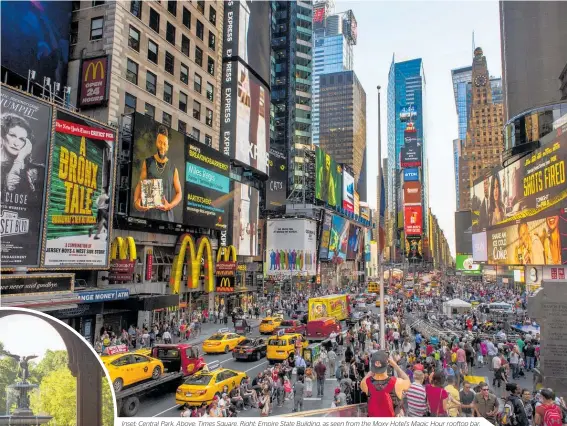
(92, 85)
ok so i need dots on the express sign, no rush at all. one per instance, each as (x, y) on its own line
(93, 81)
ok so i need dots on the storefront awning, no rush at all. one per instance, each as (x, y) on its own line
(144, 303)
(44, 303)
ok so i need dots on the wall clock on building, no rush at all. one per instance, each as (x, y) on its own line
(480, 80)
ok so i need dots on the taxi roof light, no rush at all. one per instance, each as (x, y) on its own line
(223, 330)
(115, 350)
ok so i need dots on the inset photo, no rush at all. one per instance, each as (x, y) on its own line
(49, 375)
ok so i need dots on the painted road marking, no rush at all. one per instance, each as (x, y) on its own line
(165, 411)
(312, 399)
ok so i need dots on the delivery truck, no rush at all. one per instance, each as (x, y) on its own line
(333, 306)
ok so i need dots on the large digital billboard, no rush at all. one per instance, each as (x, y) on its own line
(354, 240)
(348, 191)
(328, 179)
(463, 232)
(414, 248)
(26, 125)
(247, 35)
(411, 174)
(35, 36)
(466, 265)
(291, 247)
(479, 249)
(245, 216)
(410, 155)
(245, 122)
(413, 220)
(338, 242)
(524, 189)
(325, 236)
(81, 192)
(276, 186)
(412, 192)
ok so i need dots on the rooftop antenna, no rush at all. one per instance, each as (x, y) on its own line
(473, 46)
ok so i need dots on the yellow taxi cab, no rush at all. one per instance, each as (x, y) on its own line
(269, 324)
(144, 351)
(205, 385)
(222, 341)
(373, 287)
(281, 346)
(127, 368)
(378, 302)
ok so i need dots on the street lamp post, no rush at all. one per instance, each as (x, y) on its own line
(378, 208)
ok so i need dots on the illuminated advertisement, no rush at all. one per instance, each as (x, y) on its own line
(348, 191)
(92, 83)
(414, 249)
(412, 193)
(524, 189)
(408, 113)
(338, 242)
(245, 215)
(367, 245)
(81, 188)
(356, 203)
(480, 251)
(291, 247)
(276, 186)
(26, 125)
(413, 220)
(411, 174)
(325, 236)
(410, 155)
(354, 239)
(463, 234)
(328, 179)
(534, 242)
(465, 263)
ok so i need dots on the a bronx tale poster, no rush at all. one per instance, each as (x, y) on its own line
(81, 189)
(26, 125)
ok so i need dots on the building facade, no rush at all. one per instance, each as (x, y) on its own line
(438, 245)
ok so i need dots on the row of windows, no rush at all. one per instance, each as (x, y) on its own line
(136, 10)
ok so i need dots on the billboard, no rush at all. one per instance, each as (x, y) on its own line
(92, 81)
(408, 113)
(354, 241)
(463, 232)
(245, 122)
(80, 198)
(247, 30)
(413, 220)
(534, 242)
(410, 155)
(411, 174)
(412, 193)
(524, 189)
(479, 249)
(338, 242)
(348, 191)
(26, 125)
(276, 186)
(291, 247)
(465, 263)
(35, 36)
(414, 249)
(245, 215)
(328, 180)
(325, 236)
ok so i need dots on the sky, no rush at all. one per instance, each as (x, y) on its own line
(441, 33)
(29, 335)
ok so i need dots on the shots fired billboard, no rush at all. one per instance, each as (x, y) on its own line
(80, 198)
(348, 191)
(328, 179)
(413, 220)
(291, 247)
(524, 189)
(26, 125)
(276, 186)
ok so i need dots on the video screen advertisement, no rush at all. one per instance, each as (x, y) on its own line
(413, 220)
(35, 36)
(338, 242)
(325, 236)
(291, 247)
(414, 248)
(411, 175)
(276, 186)
(522, 190)
(26, 125)
(81, 193)
(463, 233)
(531, 242)
(328, 181)
(466, 265)
(348, 191)
(412, 193)
(245, 212)
(480, 251)
(245, 122)
(410, 155)
(354, 240)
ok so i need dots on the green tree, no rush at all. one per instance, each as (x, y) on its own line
(8, 375)
(52, 361)
(57, 397)
(107, 403)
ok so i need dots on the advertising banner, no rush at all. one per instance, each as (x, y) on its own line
(291, 247)
(81, 190)
(328, 181)
(412, 193)
(245, 127)
(276, 187)
(348, 191)
(367, 245)
(121, 270)
(535, 242)
(354, 240)
(26, 132)
(225, 284)
(41, 284)
(92, 83)
(480, 250)
(338, 243)
(524, 189)
(410, 155)
(245, 208)
(103, 295)
(411, 174)
(414, 249)
(413, 220)
(225, 268)
(356, 203)
(465, 263)
(463, 232)
(533, 277)
(325, 236)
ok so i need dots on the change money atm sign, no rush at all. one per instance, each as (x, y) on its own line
(93, 81)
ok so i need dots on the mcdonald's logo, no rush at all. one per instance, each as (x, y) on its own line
(225, 285)
(95, 66)
(122, 259)
(225, 253)
(196, 252)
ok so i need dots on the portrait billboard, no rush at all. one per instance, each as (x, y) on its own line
(463, 232)
(413, 220)
(354, 240)
(81, 193)
(276, 186)
(26, 125)
(245, 123)
(479, 248)
(412, 193)
(338, 242)
(328, 179)
(291, 247)
(348, 191)
(410, 155)
(531, 242)
(414, 249)
(92, 81)
(325, 236)
(245, 215)
(411, 174)
(524, 189)
(465, 264)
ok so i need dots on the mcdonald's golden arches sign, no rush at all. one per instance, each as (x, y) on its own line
(92, 85)
(225, 284)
